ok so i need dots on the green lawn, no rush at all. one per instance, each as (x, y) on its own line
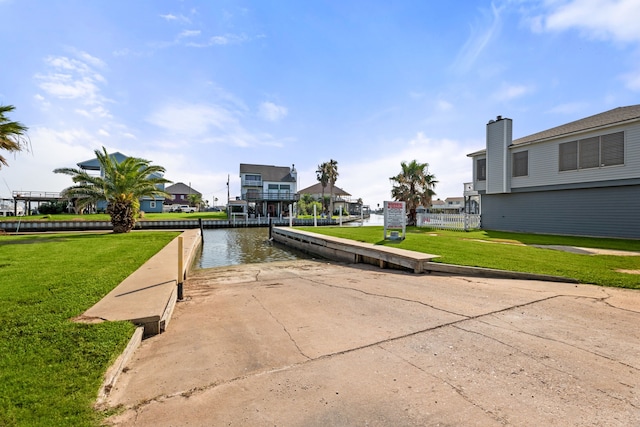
(50, 367)
(512, 251)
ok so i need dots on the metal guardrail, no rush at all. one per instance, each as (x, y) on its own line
(35, 195)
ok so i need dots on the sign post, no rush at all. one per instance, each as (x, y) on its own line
(395, 218)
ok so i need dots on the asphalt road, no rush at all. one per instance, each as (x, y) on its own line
(307, 343)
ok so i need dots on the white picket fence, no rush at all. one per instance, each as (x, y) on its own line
(448, 221)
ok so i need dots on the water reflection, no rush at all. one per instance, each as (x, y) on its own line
(374, 219)
(233, 246)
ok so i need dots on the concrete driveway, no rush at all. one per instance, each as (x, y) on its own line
(308, 343)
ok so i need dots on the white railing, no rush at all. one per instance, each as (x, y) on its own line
(448, 221)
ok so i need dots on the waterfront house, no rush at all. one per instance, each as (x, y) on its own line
(340, 197)
(268, 190)
(580, 178)
(180, 193)
(147, 204)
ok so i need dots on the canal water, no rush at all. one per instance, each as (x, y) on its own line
(223, 247)
(233, 246)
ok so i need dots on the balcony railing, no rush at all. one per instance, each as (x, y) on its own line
(251, 182)
(257, 196)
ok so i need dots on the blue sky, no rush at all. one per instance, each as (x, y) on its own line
(200, 86)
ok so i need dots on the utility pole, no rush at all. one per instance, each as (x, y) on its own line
(228, 197)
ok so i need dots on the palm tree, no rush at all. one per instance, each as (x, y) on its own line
(332, 174)
(195, 200)
(122, 185)
(414, 186)
(12, 134)
(323, 178)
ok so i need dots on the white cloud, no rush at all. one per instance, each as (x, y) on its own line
(210, 124)
(596, 19)
(193, 119)
(178, 18)
(189, 33)
(369, 178)
(568, 108)
(50, 149)
(632, 80)
(222, 40)
(70, 78)
(272, 112)
(512, 91)
(443, 105)
(479, 40)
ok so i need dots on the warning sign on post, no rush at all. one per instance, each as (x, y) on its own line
(395, 218)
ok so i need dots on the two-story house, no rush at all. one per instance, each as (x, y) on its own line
(580, 178)
(180, 194)
(269, 190)
(147, 204)
(340, 197)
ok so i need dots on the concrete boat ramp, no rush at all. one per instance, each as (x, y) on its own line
(321, 343)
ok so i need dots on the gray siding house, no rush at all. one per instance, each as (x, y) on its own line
(580, 178)
(268, 190)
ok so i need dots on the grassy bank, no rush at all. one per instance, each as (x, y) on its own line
(512, 251)
(50, 367)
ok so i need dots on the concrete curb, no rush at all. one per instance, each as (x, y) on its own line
(490, 273)
(345, 250)
(147, 296)
(114, 371)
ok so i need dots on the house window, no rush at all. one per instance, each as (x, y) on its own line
(252, 179)
(612, 149)
(569, 156)
(521, 163)
(605, 150)
(152, 204)
(481, 170)
(589, 153)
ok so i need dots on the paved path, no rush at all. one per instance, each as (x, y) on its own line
(308, 343)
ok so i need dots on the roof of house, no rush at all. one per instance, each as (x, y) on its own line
(181, 188)
(269, 173)
(317, 189)
(94, 164)
(454, 199)
(608, 118)
(611, 117)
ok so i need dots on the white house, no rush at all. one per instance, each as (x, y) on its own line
(580, 178)
(268, 189)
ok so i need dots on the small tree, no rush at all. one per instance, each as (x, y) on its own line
(12, 134)
(413, 185)
(323, 177)
(195, 200)
(332, 173)
(122, 185)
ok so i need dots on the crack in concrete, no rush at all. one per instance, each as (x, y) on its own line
(457, 389)
(516, 348)
(522, 331)
(455, 323)
(283, 327)
(383, 296)
(213, 385)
